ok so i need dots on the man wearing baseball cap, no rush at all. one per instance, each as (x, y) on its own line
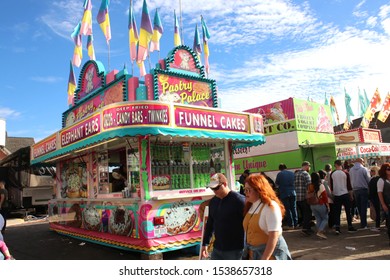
(225, 221)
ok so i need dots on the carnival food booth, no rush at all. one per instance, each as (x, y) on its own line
(161, 138)
(362, 143)
(297, 130)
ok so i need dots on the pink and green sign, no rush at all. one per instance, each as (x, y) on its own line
(111, 95)
(80, 131)
(295, 114)
(90, 80)
(136, 114)
(210, 120)
(184, 91)
(311, 116)
(45, 146)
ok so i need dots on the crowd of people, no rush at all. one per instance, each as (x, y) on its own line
(352, 187)
(256, 217)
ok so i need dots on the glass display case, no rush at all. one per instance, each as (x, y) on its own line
(184, 165)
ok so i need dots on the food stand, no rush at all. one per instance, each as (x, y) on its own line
(297, 130)
(362, 143)
(163, 136)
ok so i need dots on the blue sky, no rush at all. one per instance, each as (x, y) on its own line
(260, 51)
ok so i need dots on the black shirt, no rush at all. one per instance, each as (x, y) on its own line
(225, 220)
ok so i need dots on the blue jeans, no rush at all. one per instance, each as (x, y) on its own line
(361, 197)
(320, 211)
(226, 255)
(290, 204)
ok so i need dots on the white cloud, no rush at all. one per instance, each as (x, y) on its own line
(309, 57)
(7, 113)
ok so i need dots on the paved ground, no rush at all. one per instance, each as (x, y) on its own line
(32, 240)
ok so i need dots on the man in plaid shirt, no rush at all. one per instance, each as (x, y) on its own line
(302, 181)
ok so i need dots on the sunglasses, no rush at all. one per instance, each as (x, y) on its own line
(216, 188)
(388, 169)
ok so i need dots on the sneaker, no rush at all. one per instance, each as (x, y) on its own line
(352, 230)
(363, 228)
(321, 235)
(337, 231)
(375, 229)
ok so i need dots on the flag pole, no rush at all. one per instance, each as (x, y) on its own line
(181, 24)
(108, 45)
(130, 22)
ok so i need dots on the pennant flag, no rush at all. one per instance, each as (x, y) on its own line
(326, 102)
(145, 34)
(206, 37)
(366, 101)
(176, 33)
(103, 19)
(197, 46)
(348, 108)
(133, 35)
(371, 109)
(71, 86)
(347, 124)
(333, 109)
(142, 71)
(363, 102)
(78, 48)
(86, 22)
(91, 50)
(157, 33)
(384, 113)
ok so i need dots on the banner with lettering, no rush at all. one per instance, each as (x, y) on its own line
(312, 116)
(184, 90)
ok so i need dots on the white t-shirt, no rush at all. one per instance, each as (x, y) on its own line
(381, 184)
(270, 219)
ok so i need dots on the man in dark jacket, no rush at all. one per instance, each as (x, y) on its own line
(225, 221)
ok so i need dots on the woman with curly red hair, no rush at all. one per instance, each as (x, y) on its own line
(263, 221)
(383, 186)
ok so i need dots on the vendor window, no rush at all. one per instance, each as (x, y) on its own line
(119, 171)
(184, 165)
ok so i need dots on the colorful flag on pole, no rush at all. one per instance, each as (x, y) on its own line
(78, 48)
(347, 124)
(86, 22)
(326, 102)
(371, 109)
(133, 35)
(103, 19)
(142, 71)
(348, 108)
(145, 34)
(363, 103)
(157, 33)
(91, 50)
(197, 46)
(384, 112)
(71, 86)
(176, 33)
(333, 109)
(206, 37)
